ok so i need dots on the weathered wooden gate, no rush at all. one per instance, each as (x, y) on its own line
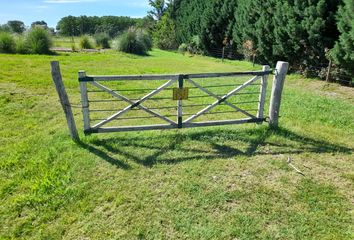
(193, 95)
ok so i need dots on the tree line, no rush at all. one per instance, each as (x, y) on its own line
(112, 25)
(305, 33)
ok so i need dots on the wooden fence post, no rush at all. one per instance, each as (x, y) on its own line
(64, 99)
(223, 54)
(263, 92)
(329, 70)
(84, 101)
(277, 89)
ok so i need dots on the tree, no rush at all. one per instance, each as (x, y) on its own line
(113, 25)
(5, 28)
(42, 24)
(343, 52)
(304, 29)
(217, 23)
(164, 35)
(68, 26)
(159, 8)
(16, 26)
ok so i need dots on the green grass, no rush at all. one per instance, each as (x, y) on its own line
(229, 182)
(68, 42)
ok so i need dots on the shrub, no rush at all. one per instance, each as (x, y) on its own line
(195, 45)
(144, 37)
(248, 50)
(134, 41)
(85, 42)
(21, 45)
(183, 48)
(7, 43)
(102, 40)
(5, 28)
(38, 41)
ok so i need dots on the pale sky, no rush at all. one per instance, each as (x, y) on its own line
(51, 11)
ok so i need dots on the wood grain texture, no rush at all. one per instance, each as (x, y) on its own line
(64, 99)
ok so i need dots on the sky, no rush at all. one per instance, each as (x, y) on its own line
(51, 11)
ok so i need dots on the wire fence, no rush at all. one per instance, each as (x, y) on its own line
(227, 52)
(329, 73)
(324, 71)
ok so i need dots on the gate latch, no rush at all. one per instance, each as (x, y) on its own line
(180, 93)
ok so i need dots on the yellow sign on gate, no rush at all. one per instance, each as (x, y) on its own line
(180, 93)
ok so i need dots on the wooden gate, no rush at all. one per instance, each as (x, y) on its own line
(172, 101)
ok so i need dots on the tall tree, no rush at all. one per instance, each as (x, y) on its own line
(42, 24)
(164, 34)
(217, 23)
(343, 52)
(113, 25)
(159, 8)
(68, 26)
(16, 26)
(304, 29)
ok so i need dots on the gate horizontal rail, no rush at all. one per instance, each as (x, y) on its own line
(170, 76)
(180, 94)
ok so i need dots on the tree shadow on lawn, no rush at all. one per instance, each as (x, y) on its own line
(210, 144)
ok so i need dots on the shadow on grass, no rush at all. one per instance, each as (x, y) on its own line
(101, 154)
(178, 146)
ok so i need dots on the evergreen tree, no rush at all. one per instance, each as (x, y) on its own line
(159, 8)
(303, 30)
(297, 31)
(164, 34)
(343, 52)
(216, 24)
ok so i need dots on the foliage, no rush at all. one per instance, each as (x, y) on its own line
(248, 50)
(7, 43)
(102, 40)
(303, 30)
(85, 42)
(164, 34)
(134, 41)
(195, 46)
(5, 28)
(16, 26)
(296, 31)
(159, 8)
(147, 23)
(343, 52)
(217, 24)
(21, 45)
(211, 20)
(38, 41)
(145, 38)
(183, 48)
(76, 26)
(42, 24)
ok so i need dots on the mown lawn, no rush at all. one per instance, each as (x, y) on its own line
(229, 182)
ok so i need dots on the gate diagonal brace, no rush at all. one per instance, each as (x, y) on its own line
(222, 99)
(133, 104)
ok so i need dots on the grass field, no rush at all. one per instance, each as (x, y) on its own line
(69, 42)
(229, 182)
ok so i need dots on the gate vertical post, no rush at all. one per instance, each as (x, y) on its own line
(277, 89)
(263, 92)
(84, 101)
(180, 103)
(64, 99)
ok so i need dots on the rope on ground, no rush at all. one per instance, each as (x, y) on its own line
(294, 167)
